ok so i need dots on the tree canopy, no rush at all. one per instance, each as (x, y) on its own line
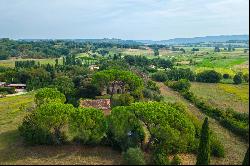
(46, 95)
(106, 77)
(168, 127)
(88, 125)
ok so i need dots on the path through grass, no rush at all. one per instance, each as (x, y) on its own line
(235, 147)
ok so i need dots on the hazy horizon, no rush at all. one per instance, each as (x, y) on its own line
(126, 19)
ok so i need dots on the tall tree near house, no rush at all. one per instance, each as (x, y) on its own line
(203, 157)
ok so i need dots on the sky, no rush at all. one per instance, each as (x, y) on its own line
(123, 19)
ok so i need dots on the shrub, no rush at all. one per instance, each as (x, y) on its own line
(209, 76)
(226, 76)
(217, 149)
(88, 125)
(160, 76)
(160, 157)
(181, 85)
(33, 133)
(152, 86)
(152, 95)
(188, 95)
(176, 160)
(238, 78)
(180, 73)
(8, 90)
(246, 77)
(134, 156)
(122, 100)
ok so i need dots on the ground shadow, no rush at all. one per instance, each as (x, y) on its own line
(14, 151)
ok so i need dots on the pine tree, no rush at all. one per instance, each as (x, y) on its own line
(203, 157)
(246, 159)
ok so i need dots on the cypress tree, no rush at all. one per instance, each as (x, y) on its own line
(203, 157)
(246, 159)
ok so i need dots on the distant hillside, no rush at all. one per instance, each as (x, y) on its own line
(105, 40)
(222, 38)
(206, 39)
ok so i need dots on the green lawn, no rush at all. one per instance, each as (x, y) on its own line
(223, 95)
(13, 151)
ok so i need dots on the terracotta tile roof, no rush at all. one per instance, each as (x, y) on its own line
(103, 104)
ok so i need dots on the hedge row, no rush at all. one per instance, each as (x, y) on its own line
(236, 122)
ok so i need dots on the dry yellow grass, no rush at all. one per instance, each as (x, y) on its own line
(223, 95)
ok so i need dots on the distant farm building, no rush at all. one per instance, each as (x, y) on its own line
(103, 104)
(17, 87)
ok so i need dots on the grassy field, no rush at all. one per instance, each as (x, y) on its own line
(146, 52)
(11, 62)
(13, 151)
(223, 95)
(222, 62)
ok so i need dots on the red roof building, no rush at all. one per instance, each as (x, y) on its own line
(103, 104)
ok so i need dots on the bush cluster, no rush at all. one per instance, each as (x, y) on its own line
(180, 85)
(7, 90)
(174, 74)
(208, 76)
(122, 100)
(133, 156)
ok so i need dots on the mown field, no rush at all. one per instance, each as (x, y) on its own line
(13, 151)
(11, 62)
(223, 95)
